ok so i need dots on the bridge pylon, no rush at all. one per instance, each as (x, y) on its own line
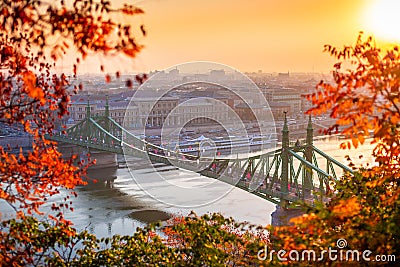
(88, 126)
(308, 152)
(285, 163)
(107, 115)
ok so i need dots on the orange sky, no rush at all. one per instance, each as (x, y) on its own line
(267, 35)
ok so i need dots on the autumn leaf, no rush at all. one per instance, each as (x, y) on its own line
(347, 208)
(131, 52)
(32, 90)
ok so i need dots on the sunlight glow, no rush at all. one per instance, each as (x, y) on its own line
(383, 19)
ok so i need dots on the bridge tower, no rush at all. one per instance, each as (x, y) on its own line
(307, 177)
(88, 109)
(107, 108)
(285, 163)
(88, 129)
(107, 115)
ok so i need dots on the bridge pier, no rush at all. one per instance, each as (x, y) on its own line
(282, 216)
(103, 159)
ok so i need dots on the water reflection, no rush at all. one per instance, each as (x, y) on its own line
(116, 205)
(102, 208)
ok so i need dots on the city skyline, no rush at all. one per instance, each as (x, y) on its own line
(272, 36)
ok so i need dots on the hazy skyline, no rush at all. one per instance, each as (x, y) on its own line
(267, 35)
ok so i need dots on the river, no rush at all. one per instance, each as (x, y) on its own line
(118, 206)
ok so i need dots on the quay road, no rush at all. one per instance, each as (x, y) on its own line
(297, 129)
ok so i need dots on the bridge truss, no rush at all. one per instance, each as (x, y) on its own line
(290, 175)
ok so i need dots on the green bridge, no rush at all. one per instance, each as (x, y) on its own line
(288, 176)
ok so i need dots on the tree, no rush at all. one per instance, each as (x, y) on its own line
(33, 35)
(191, 241)
(366, 99)
(363, 99)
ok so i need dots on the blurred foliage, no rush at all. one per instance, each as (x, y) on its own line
(33, 35)
(191, 241)
(364, 100)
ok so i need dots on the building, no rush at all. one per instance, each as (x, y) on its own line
(253, 112)
(279, 97)
(199, 104)
(154, 112)
(278, 109)
(201, 111)
(141, 112)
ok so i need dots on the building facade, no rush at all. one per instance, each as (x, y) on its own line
(281, 97)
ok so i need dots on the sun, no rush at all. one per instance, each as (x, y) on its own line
(382, 18)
